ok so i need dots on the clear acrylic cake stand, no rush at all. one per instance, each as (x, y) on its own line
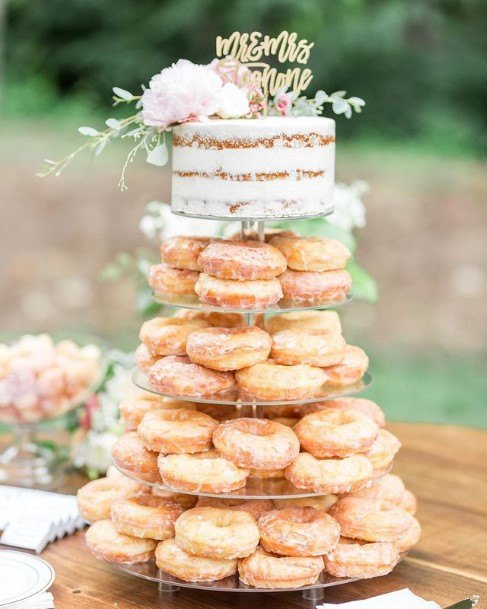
(258, 489)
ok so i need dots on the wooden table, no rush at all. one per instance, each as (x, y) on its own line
(445, 466)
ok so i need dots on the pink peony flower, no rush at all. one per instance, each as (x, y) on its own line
(182, 92)
(283, 104)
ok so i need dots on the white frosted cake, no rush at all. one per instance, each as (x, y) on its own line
(254, 168)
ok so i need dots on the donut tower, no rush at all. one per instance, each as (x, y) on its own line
(245, 464)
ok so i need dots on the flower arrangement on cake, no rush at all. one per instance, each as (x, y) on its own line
(187, 92)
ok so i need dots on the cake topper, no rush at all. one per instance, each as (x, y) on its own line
(247, 50)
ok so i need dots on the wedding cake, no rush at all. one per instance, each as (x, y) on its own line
(261, 168)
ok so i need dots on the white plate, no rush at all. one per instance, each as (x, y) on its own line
(22, 575)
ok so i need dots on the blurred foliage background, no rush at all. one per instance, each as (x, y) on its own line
(420, 64)
(420, 143)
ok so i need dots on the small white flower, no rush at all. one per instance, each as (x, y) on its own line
(96, 451)
(173, 226)
(148, 226)
(349, 210)
(234, 102)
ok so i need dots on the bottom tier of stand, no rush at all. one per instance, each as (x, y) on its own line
(168, 583)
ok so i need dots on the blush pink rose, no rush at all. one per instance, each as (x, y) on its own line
(185, 91)
(284, 104)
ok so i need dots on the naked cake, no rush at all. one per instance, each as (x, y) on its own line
(262, 168)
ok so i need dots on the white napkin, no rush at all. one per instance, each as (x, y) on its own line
(400, 599)
(43, 600)
(31, 518)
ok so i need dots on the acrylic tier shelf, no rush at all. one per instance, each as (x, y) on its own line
(327, 392)
(255, 219)
(283, 306)
(149, 571)
(255, 488)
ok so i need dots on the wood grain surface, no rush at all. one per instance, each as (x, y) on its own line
(445, 466)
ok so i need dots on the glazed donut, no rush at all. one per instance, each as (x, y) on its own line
(229, 348)
(329, 475)
(264, 570)
(256, 507)
(382, 452)
(409, 502)
(410, 538)
(313, 347)
(322, 502)
(113, 473)
(269, 233)
(182, 499)
(214, 318)
(351, 368)
(266, 474)
(177, 431)
(271, 381)
(95, 499)
(312, 253)
(130, 454)
(353, 558)
(336, 433)
(145, 516)
(285, 411)
(227, 293)
(202, 472)
(287, 421)
(303, 286)
(178, 376)
(105, 543)
(370, 519)
(172, 282)
(217, 532)
(183, 252)
(143, 358)
(359, 405)
(168, 335)
(389, 488)
(304, 320)
(242, 260)
(133, 409)
(219, 412)
(256, 443)
(298, 531)
(177, 562)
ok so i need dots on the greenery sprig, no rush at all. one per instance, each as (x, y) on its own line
(143, 136)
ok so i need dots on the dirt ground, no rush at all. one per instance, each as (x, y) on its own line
(425, 242)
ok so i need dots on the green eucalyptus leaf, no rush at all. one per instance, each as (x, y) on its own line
(146, 305)
(364, 286)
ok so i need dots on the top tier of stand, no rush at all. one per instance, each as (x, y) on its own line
(263, 218)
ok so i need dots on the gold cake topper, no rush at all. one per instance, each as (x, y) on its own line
(248, 50)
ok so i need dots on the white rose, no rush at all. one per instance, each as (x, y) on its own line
(233, 102)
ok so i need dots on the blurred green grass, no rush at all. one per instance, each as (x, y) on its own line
(434, 387)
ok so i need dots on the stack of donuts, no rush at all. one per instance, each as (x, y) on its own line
(270, 544)
(294, 356)
(249, 274)
(336, 446)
